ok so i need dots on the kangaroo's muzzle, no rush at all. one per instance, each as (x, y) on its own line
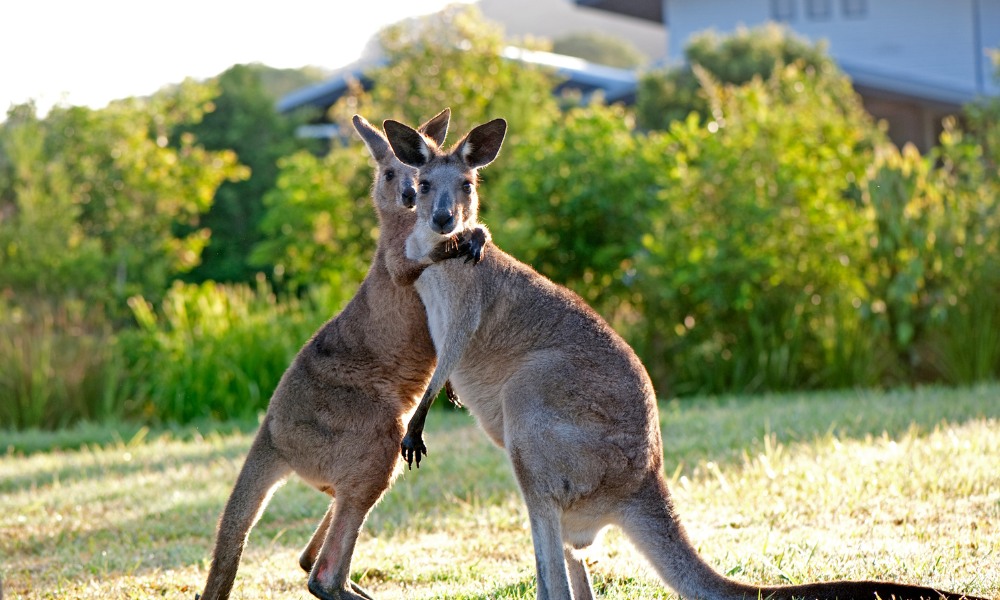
(409, 199)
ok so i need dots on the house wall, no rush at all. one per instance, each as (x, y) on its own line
(929, 42)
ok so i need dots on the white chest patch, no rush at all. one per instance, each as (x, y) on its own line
(437, 298)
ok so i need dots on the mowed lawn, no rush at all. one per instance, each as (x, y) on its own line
(904, 485)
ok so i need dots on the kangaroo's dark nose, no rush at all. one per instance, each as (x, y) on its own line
(409, 197)
(443, 220)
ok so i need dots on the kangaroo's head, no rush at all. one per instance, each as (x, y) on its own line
(394, 186)
(446, 181)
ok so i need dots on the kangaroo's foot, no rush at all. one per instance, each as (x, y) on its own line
(357, 592)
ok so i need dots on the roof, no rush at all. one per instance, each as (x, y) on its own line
(614, 84)
(874, 80)
(648, 10)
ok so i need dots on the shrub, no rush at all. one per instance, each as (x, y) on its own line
(749, 278)
(211, 350)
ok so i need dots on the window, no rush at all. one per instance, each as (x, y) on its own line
(819, 10)
(783, 10)
(854, 9)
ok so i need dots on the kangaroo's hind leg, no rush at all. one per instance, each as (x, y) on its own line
(262, 471)
(308, 557)
(579, 578)
(360, 475)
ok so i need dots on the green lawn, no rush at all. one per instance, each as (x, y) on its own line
(903, 486)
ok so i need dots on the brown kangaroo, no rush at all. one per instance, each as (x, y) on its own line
(336, 417)
(568, 399)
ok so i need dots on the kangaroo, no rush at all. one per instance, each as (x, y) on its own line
(551, 382)
(336, 417)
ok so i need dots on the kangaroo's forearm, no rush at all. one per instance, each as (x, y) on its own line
(416, 425)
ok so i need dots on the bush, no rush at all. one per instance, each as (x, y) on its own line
(671, 94)
(211, 350)
(749, 279)
(574, 202)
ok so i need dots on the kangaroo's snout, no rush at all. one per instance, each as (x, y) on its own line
(443, 221)
(409, 196)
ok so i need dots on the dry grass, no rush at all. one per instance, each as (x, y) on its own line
(901, 486)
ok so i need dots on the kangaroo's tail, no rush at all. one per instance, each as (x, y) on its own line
(262, 471)
(651, 523)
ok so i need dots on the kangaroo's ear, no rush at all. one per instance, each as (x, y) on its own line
(410, 147)
(373, 138)
(437, 127)
(482, 144)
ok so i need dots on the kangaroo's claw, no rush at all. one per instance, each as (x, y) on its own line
(412, 448)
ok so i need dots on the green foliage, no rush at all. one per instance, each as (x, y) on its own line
(749, 278)
(243, 120)
(101, 217)
(670, 94)
(575, 201)
(210, 351)
(600, 48)
(454, 59)
(320, 225)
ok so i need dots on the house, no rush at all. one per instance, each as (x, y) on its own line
(574, 74)
(912, 61)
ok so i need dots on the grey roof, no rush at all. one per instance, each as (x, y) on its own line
(875, 80)
(648, 10)
(616, 85)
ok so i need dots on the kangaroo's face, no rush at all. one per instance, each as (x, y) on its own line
(446, 180)
(395, 185)
(446, 195)
(394, 188)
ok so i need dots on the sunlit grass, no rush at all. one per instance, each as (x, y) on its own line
(787, 488)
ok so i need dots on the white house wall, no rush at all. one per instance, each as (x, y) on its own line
(931, 43)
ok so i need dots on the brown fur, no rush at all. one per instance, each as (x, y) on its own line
(570, 401)
(336, 417)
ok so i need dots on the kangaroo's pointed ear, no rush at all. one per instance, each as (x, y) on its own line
(373, 138)
(437, 127)
(482, 144)
(410, 147)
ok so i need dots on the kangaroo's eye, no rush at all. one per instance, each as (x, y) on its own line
(425, 187)
(389, 174)
(467, 187)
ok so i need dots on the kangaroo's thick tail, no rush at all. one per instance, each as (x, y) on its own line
(651, 523)
(262, 471)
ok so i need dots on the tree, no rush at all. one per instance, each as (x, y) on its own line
(101, 220)
(670, 94)
(319, 224)
(242, 119)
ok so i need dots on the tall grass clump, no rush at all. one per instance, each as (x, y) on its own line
(55, 364)
(211, 350)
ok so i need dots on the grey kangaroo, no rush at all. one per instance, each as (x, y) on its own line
(553, 384)
(336, 417)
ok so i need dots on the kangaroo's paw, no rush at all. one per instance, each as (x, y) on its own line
(412, 447)
(472, 244)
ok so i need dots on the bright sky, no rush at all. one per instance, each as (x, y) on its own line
(93, 51)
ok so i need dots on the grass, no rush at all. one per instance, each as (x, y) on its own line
(903, 485)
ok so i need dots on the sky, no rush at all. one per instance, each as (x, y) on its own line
(89, 52)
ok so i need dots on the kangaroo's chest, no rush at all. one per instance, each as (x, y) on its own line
(454, 311)
(439, 300)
